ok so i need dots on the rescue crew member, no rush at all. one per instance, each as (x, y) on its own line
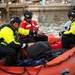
(30, 24)
(9, 45)
(68, 37)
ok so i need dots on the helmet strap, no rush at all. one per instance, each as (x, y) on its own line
(13, 27)
(73, 19)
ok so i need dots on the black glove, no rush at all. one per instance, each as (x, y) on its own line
(61, 33)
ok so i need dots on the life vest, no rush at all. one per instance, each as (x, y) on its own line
(30, 26)
(72, 29)
(8, 34)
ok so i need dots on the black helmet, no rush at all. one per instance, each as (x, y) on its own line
(28, 13)
(71, 13)
(14, 19)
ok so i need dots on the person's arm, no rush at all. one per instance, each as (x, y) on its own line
(72, 29)
(9, 39)
(36, 25)
(28, 32)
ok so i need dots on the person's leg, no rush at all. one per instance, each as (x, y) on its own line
(28, 40)
(9, 54)
(39, 49)
(67, 41)
(41, 38)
